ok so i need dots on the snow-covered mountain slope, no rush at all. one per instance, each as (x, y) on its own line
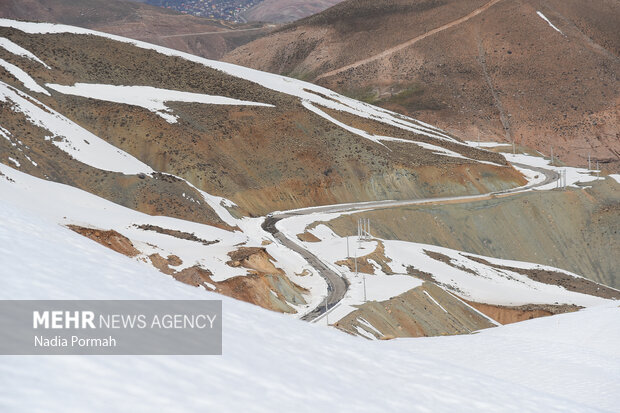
(185, 247)
(161, 133)
(564, 363)
(257, 138)
(153, 238)
(388, 268)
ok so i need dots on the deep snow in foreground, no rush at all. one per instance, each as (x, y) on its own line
(65, 205)
(272, 362)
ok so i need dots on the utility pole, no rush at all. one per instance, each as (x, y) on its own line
(552, 155)
(513, 147)
(564, 175)
(589, 162)
(364, 281)
(348, 255)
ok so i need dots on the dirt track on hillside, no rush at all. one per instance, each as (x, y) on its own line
(411, 42)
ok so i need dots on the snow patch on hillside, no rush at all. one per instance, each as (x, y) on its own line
(574, 176)
(150, 98)
(542, 16)
(70, 137)
(438, 150)
(303, 90)
(20, 51)
(65, 205)
(615, 177)
(23, 77)
(463, 276)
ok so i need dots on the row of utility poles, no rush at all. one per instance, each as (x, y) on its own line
(563, 174)
(363, 234)
(561, 183)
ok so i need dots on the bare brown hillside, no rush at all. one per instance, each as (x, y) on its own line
(263, 158)
(491, 67)
(199, 36)
(282, 11)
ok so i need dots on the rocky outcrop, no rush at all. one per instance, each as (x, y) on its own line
(110, 239)
(424, 311)
(509, 315)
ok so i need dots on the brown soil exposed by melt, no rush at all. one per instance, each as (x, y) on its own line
(415, 313)
(308, 237)
(176, 234)
(266, 285)
(365, 266)
(508, 315)
(110, 239)
(570, 283)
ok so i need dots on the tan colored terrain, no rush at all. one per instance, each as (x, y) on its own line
(110, 239)
(262, 158)
(200, 36)
(509, 315)
(265, 285)
(414, 314)
(489, 68)
(283, 11)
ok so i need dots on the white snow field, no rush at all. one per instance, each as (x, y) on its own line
(542, 16)
(65, 205)
(272, 362)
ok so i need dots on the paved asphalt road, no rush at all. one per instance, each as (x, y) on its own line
(336, 284)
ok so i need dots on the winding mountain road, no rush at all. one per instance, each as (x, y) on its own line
(337, 285)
